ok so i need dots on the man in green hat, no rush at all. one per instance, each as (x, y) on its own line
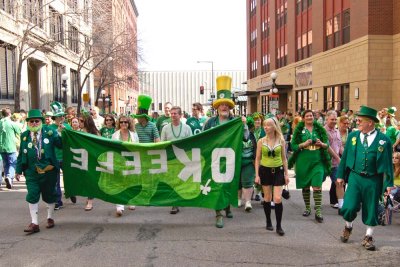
(146, 130)
(37, 160)
(367, 164)
(58, 125)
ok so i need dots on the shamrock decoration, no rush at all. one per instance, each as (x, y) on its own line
(50, 133)
(382, 142)
(354, 140)
(24, 139)
(205, 189)
(380, 149)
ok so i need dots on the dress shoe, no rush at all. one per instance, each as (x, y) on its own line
(50, 223)
(280, 231)
(318, 218)
(8, 183)
(346, 234)
(368, 243)
(269, 227)
(174, 210)
(32, 228)
(118, 213)
(219, 222)
(73, 199)
(307, 213)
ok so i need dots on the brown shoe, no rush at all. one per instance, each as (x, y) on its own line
(368, 243)
(346, 234)
(50, 223)
(32, 228)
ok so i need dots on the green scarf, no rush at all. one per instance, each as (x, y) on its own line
(321, 133)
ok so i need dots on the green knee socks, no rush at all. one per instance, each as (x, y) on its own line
(317, 194)
(306, 198)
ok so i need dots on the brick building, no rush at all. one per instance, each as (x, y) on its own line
(326, 54)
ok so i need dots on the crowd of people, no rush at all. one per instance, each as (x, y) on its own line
(353, 150)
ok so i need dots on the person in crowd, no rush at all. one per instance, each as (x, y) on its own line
(125, 133)
(89, 126)
(9, 133)
(154, 116)
(258, 132)
(75, 124)
(319, 118)
(97, 119)
(23, 122)
(109, 126)
(47, 118)
(367, 161)
(223, 104)
(271, 170)
(391, 125)
(312, 161)
(396, 181)
(335, 146)
(58, 125)
(37, 161)
(196, 122)
(352, 120)
(146, 130)
(70, 113)
(381, 124)
(175, 130)
(164, 119)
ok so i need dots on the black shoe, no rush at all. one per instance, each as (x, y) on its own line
(319, 219)
(174, 210)
(73, 199)
(257, 198)
(280, 231)
(306, 213)
(8, 184)
(269, 227)
(58, 206)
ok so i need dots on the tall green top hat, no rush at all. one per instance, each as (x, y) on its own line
(368, 112)
(224, 85)
(35, 114)
(391, 111)
(57, 109)
(144, 102)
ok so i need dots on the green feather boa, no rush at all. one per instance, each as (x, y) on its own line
(321, 133)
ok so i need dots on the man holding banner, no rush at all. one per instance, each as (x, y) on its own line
(223, 105)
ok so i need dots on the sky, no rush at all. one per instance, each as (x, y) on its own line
(174, 34)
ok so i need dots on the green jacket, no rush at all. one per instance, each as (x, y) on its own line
(9, 131)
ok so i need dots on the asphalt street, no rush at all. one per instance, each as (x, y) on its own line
(150, 236)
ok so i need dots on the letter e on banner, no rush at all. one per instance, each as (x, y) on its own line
(217, 155)
(83, 159)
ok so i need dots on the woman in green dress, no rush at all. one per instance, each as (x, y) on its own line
(311, 159)
(109, 126)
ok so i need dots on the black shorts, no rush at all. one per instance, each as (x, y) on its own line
(272, 176)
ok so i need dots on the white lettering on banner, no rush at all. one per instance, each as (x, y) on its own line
(83, 159)
(229, 155)
(162, 161)
(109, 164)
(135, 162)
(192, 167)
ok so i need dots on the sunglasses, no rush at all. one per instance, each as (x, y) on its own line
(34, 121)
(81, 120)
(108, 119)
(121, 122)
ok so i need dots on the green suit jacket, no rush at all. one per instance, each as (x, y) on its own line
(383, 159)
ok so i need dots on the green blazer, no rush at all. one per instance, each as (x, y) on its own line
(383, 160)
(49, 140)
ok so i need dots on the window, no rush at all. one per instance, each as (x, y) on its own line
(86, 11)
(264, 104)
(336, 30)
(7, 71)
(33, 11)
(336, 97)
(303, 100)
(73, 38)
(56, 26)
(266, 63)
(346, 26)
(329, 34)
(74, 86)
(58, 70)
(253, 5)
(7, 6)
(72, 4)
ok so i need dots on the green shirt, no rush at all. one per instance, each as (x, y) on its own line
(107, 132)
(196, 124)
(9, 131)
(147, 133)
(161, 122)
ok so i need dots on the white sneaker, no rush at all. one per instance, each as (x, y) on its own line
(248, 206)
(239, 203)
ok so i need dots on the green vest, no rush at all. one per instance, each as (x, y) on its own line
(366, 158)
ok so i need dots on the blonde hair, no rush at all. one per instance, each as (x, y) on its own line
(277, 128)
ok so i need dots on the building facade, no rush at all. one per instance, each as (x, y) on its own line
(39, 42)
(326, 53)
(116, 42)
(182, 88)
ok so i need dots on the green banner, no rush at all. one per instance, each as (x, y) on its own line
(199, 171)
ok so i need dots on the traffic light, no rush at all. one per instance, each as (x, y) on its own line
(201, 89)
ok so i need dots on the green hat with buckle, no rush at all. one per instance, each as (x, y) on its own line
(224, 95)
(144, 102)
(368, 112)
(57, 109)
(35, 114)
(391, 111)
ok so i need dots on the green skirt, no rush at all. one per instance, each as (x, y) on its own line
(309, 169)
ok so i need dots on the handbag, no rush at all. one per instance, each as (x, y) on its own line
(285, 192)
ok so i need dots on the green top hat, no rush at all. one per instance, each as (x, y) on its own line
(224, 85)
(250, 122)
(391, 111)
(258, 115)
(144, 102)
(34, 114)
(57, 109)
(368, 112)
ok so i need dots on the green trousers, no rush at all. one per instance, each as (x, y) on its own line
(42, 184)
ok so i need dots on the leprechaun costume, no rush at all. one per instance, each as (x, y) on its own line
(367, 162)
(37, 160)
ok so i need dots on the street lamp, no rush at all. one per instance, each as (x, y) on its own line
(103, 97)
(108, 100)
(274, 76)
(64, 85)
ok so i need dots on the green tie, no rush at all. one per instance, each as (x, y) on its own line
(34, 141)
(365, 141)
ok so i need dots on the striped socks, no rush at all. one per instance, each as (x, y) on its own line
(317, 194)
(306, 198)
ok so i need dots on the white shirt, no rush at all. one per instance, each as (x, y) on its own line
(170, 132)
(370, 137)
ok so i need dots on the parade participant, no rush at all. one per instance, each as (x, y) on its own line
(196, 122)
(272, 171)
(109, 126)
(47, 118)
(381, 124)
(367, 160)
(9, 133)
(125, 133)
(37, 160)
(258, 132)
(98, 120)
(223, 105)
(335, 145)
(70, 113)
(311, 159)
(391, 125)
(173, 131)
(343, 127)
(146, 130)
(164, 119)
(75, 124)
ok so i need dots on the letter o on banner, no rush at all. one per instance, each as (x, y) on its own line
(217, 155)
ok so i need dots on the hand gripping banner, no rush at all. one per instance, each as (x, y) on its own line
(199, 171)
